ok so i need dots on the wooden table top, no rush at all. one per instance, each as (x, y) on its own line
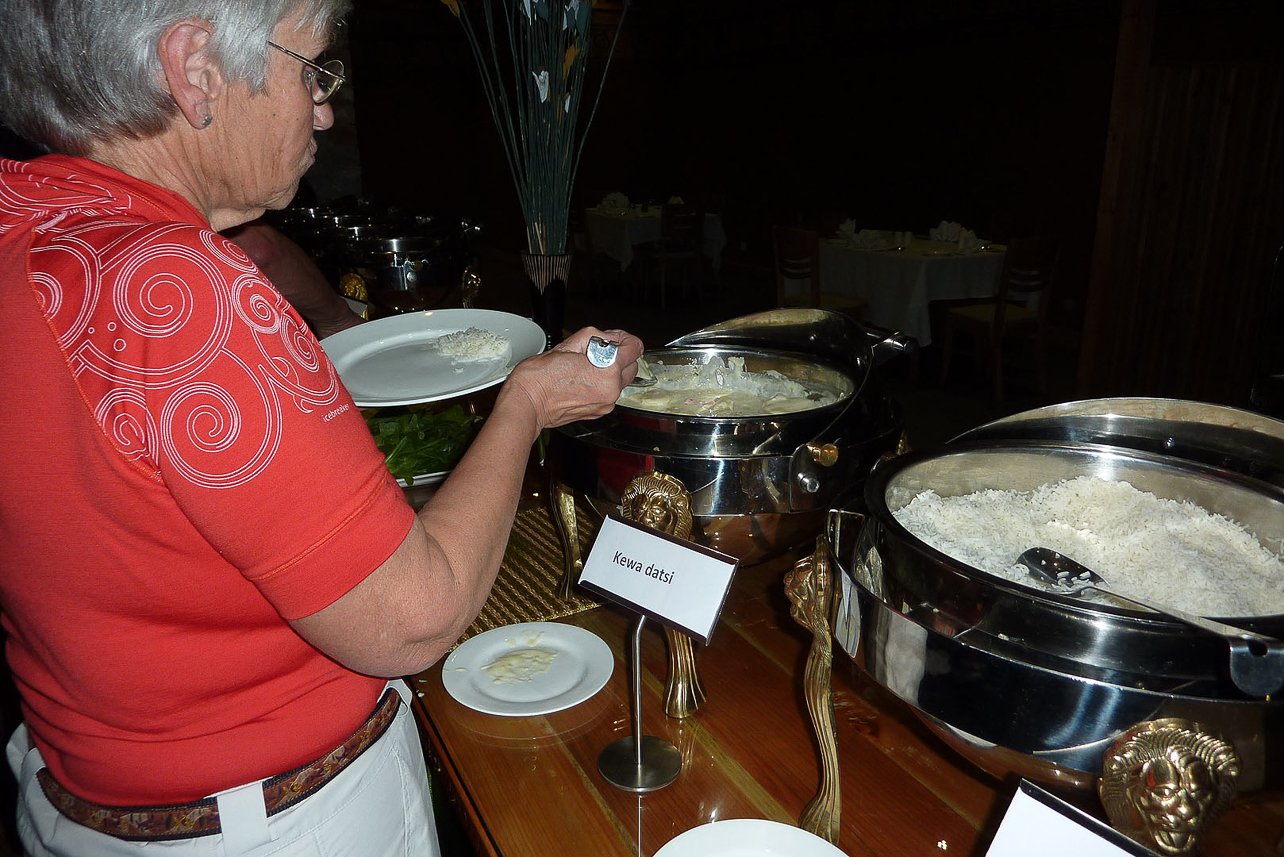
(530, 785)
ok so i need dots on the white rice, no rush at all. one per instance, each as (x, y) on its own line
(1170, 552)
(473, 345)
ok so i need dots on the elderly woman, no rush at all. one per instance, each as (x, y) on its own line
(208, 572)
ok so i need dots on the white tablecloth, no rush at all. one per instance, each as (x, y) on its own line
(617, 232)
(898, 285)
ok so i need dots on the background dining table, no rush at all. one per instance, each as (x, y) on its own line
(899, 282)
(616, 231)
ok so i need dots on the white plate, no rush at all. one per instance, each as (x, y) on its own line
(747, 837)
(394, 361)
(580, 666)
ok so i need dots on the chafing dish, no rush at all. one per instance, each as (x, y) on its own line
(1049, 687)
(758, 485)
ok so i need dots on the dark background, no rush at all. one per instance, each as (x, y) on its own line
(1146, 134)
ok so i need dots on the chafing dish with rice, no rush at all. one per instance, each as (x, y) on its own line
(1024, 679)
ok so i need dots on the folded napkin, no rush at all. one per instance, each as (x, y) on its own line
(969, 243)
(847, 230)
(676, 200)
(947, 231)
(869, 239)
(615, 200)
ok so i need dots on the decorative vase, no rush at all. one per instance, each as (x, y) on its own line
(548, 274)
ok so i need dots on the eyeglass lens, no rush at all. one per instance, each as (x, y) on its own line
(325, 80)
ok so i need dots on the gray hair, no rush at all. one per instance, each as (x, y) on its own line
(73, 72)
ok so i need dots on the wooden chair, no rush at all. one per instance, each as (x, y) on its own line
(679, 244)
(797, 253)
(1019, 309)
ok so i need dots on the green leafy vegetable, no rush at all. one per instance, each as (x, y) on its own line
(419, 442)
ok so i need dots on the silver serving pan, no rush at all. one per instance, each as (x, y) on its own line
(759, 485)
(1093, 639)
(1010, 716)
(1025, 680)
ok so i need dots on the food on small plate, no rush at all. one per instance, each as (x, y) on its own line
(417, 441)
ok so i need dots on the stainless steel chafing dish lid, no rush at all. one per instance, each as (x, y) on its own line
(1227, 438)
(832, 336)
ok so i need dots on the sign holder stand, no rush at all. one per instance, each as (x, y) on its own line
(639, 763)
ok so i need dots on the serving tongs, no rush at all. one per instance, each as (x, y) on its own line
(1256, 661)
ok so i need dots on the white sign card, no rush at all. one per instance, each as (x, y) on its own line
(1038, 822)
(674, 581)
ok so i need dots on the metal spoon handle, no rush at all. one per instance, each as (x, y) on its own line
(1256, 661)
(1212, 626)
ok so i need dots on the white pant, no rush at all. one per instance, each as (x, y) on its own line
(379, 806)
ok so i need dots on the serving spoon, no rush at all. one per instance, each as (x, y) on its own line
(645, 377)
(1256, 661)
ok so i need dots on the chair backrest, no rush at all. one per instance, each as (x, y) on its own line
(680, 227)
(797, 253)
(1027, 273)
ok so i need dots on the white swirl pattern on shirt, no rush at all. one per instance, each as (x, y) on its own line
(186, 355)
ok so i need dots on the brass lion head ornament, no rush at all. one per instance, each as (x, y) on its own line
(1164, 782)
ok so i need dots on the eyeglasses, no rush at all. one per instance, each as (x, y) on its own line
(323, 80)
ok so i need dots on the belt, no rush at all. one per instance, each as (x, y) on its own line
(200, 817)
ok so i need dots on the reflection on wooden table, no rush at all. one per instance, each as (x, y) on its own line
(530, 785)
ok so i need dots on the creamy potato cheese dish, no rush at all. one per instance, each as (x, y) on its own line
(521, 665)
(724, 389)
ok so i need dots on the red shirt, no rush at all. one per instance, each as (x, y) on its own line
(182, 472)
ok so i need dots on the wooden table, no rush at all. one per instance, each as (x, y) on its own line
(530, 786)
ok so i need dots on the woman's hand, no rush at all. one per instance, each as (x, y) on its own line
(562, 386)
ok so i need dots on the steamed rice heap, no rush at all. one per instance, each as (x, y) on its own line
(724, 389)
(473, 345)
(1169, 552)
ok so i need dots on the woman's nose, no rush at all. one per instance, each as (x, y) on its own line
(322, 116)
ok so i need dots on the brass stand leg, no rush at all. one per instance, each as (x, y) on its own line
(809, 586)
(683, 692)
(1164, 782)
(563, 502)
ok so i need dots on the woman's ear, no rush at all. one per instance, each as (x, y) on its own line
(189, 70)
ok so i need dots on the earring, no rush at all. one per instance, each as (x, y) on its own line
(209, 117)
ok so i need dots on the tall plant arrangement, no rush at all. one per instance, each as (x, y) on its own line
(533, 59)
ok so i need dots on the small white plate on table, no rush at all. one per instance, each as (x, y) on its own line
(395, 361)
(570, 665)
(747, 837)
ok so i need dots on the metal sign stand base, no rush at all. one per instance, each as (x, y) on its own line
(639, 763)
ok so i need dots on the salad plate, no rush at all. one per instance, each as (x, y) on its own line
(395, 360)
(528, 669)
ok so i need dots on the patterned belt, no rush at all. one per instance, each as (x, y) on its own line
(200, 817)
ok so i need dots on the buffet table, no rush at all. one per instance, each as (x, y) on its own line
(530, 785)
(899, 284)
